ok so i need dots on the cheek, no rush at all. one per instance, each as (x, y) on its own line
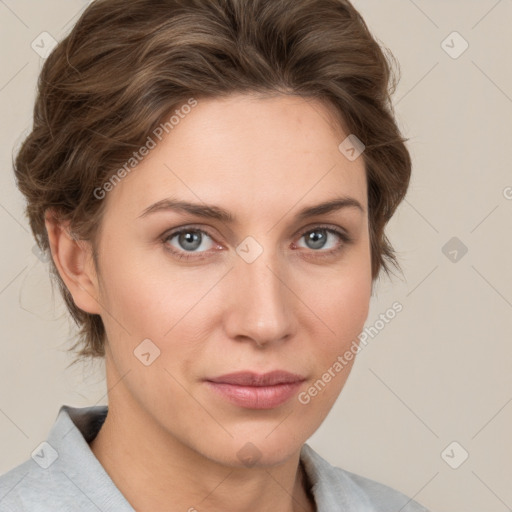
(138, 292)
(161, 302)
(350, 306)
(341, 299)
(343, 308)
(344, 314)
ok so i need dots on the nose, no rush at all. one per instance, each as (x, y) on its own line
(261, 305)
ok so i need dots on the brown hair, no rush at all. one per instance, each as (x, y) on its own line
(126, 66)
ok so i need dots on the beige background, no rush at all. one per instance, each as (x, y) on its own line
(440, 371)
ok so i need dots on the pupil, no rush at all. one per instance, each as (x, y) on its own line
(190, 238)
(317, 238)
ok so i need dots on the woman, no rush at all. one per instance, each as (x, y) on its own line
(212, 179)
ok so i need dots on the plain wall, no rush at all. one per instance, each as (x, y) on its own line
(439, 372)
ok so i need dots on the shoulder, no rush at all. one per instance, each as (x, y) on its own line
(62, 473)
(334, 487)
(31, 487)
(382, 497)
(26, 487)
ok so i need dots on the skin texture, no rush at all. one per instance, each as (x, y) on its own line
(169, 442)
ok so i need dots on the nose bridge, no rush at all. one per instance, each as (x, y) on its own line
(262, 309)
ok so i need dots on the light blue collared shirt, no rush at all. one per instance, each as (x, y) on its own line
(63, 474)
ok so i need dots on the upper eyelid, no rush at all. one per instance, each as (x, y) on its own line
(338, 230)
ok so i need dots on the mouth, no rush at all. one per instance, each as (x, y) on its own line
(256, 391)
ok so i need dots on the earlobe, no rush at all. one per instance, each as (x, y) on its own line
(73, 259)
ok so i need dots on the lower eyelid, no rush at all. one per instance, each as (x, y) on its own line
(345, 239)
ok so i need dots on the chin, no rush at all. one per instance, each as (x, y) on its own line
(263, 448)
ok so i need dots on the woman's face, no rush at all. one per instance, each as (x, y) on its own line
(267, 290)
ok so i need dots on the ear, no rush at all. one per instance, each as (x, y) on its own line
(73, 259)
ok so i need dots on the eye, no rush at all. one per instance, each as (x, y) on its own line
(188, 240)
(194, 243)
(322, 237)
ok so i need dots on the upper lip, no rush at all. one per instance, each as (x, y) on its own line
(255, 379)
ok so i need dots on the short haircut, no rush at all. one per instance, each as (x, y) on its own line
(127, 65)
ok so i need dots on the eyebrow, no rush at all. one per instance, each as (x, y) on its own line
(217, 213)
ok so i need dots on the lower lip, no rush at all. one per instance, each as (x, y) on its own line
(256, 397)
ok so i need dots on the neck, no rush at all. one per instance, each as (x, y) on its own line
(155, 471)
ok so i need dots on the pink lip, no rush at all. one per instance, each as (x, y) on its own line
(257, 391)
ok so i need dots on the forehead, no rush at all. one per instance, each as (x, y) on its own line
(245, 151)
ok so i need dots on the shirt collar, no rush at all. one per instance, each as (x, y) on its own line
(69, 437)
(76, 427)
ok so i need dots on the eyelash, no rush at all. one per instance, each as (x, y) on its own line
(183, 255)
